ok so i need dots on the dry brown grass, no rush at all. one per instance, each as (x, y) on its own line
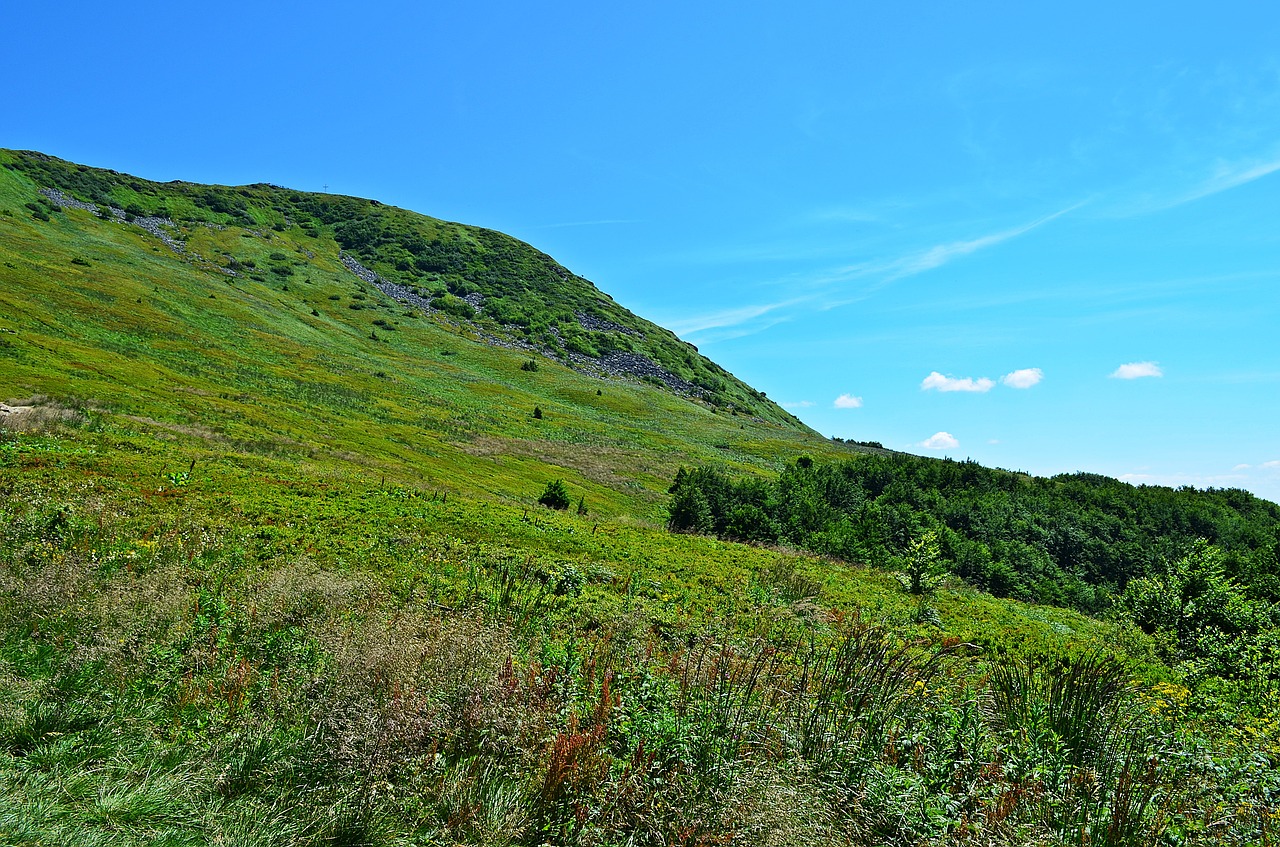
(603, 465)
(38, 414)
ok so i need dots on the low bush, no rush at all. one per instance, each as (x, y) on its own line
(556, 495)
(454, 307)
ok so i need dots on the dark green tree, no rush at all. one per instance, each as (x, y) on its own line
(556, 495)
(690, 511)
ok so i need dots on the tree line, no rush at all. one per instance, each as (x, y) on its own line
(1073, 540)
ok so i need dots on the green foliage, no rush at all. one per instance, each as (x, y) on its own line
(240, 654)
(1203, 617)
(1067, 541)
(454, 306)
(555, 495)
(1073, 540)
(690, 509)
(1076, 698)
(921, 569)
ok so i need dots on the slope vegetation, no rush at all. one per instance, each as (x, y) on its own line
(274, 569)
(501, 286)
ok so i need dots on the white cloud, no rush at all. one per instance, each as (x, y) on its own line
(941, 254)
(848, 401)
(940, 441)
(829, 289)
(727, 318)
(1137, 370)
(1224, 176)
(1242, 467)
(1024, 378)
(884, 272)
(801, 404)
(1229, 175)
(939, 382)
(1275, 463)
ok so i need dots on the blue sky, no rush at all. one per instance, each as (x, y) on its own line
(1042, 238)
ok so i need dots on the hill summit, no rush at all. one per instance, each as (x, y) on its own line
(501, 290)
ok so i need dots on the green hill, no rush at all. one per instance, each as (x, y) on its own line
(504, 290)
(275, 567)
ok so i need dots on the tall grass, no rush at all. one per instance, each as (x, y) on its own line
(1100, 769)
(169, 679)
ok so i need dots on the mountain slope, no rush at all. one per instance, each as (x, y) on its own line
(500, 285)
(236, 313)
(273, 569)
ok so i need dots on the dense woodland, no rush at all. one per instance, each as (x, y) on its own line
(1197, 568)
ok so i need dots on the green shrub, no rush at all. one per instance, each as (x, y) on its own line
(454, 306)
(556, 495)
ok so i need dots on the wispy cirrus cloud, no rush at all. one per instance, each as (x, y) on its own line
(938, 382)
(1137, 370)
(877, 274)
(1222, 176)
(1228, 175)
(941, 254)
(726, 317)
(884, 272)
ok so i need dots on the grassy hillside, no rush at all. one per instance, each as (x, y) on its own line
(273, 570)
(501, 287)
